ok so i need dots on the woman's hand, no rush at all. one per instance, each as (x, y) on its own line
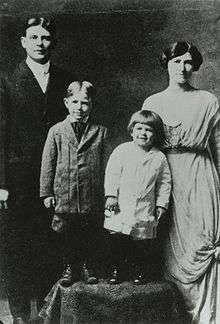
(160, 211)
(217, 253)
(49, 202)
(3, 199)
(112, 204)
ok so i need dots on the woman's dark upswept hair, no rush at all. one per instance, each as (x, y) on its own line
(43, 22)
(180, 48)
(153, 120)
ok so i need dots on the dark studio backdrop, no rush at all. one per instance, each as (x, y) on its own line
(115, 45)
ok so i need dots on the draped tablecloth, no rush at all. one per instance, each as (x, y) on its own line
(155, 302)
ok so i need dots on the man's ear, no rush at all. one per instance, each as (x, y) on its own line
(65, 100)
(23, 41)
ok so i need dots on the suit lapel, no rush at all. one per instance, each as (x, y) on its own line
(54, 91)
(28, 90)
(69, 132)
(34, 88)
(53, 81)
(29, 81)
(90, 131)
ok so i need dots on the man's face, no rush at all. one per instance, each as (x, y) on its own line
(37, 43)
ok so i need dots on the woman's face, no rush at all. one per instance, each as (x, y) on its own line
(180, 68)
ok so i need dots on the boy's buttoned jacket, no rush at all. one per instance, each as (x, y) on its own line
(74, 172)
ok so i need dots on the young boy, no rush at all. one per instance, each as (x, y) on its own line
(72, 182)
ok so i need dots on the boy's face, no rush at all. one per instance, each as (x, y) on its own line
(78, 105)
(143, 135)
(37, 43)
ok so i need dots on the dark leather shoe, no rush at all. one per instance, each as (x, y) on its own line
(69, 276)
(36, 320)
(19, 320)
(88, 276)
(115, 276)
(139, 280)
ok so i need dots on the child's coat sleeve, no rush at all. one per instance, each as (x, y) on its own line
(113, 174)
(48, 165)
(163, 185)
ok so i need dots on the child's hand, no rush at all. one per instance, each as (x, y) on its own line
(112, 204)
(159, 212)
(49, 202)
(3, 198)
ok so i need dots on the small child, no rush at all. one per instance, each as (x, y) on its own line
(137, 190)
(72, 182)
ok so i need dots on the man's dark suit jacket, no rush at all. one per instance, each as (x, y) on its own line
(26, 114)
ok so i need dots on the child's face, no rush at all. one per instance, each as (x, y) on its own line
(143, 135)
(78, 105)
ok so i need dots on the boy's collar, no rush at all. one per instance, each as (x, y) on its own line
(73, 120)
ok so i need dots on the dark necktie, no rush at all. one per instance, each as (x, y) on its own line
(78, 128)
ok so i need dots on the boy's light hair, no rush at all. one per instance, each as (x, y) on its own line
(84, 86)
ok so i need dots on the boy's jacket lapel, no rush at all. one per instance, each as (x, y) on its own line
(90, 131)
(69, 132)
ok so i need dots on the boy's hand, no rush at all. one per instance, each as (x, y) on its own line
(112, 204)
(3, 199)
(159, 212)
(49, 202)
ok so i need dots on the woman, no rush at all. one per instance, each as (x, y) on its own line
(192, 124)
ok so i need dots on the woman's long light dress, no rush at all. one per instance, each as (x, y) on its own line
(192, 125)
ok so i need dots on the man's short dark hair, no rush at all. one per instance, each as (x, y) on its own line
(47, 24)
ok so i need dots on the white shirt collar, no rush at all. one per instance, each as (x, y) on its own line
(38, 68)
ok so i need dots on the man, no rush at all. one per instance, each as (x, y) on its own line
(31, 102)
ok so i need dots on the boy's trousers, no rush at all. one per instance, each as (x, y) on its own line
(81, 239)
